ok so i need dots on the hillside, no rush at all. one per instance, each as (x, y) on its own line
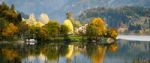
(133, 18)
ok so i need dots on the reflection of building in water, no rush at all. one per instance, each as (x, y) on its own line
(98, 56)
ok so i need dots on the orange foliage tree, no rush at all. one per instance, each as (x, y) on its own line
(112, 33)
(9, 30)
(100, 26)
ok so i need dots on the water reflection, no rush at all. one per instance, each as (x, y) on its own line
(96, 53)
(75, 53)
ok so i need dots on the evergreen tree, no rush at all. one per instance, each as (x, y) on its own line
(12, 7)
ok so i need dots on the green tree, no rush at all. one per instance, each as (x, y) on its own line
(9, 14)
(42, 34)
(3, 23)
(23, 30)
(12, 7)
(64, 30)
(53, 28)
(91, 32)
(4, 6)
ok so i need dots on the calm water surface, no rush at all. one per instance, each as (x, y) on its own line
(122, 51)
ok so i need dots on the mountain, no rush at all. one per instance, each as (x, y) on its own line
(134, 19)
(56, 9)
(114, 16)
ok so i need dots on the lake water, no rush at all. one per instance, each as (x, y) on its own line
(134, 37)
(123, 51)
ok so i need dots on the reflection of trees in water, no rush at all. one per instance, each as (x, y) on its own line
(97, 52)
(139, 60)
(9, 54)
(69, 53)
(113, 47)
(52, 52)
(12, 53)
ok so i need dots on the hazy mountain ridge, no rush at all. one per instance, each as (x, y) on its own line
(117, 15)
(56, 9)
(134, 18)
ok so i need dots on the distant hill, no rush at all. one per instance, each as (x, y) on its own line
(114, 16)
(134, 18)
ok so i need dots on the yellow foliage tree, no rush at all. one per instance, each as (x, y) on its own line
(69, 25)
(113, 33)
(39, 24)
(100, 25)
(10, 30)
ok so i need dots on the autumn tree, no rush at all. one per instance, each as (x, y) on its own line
(100, 26)
(96, 28)
(69, 25)
(10, 30)
(112, 33)
(9, 20)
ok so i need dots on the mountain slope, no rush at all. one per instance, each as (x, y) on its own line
(126, 19)
(114, 16)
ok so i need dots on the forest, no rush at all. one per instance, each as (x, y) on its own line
(14, 27)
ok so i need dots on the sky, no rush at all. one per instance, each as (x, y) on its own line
(56, 9)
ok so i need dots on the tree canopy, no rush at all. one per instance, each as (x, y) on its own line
(69, 25)
(97, 27)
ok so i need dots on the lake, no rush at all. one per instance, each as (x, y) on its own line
(123, 51)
